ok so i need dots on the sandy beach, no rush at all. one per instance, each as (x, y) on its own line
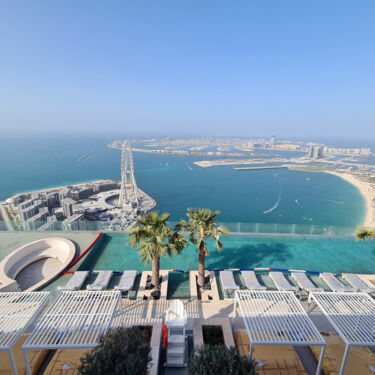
(367, 190)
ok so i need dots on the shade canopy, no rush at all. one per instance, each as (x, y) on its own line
(75, 320)
(352, 315)
(277, 318)
(17, 311)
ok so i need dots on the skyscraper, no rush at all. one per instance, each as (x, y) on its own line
(273, 141)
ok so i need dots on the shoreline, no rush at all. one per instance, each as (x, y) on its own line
(367, 191)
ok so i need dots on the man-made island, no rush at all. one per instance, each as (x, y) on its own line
(67, 207)
(71, 205)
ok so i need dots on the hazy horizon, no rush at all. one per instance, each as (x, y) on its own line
(295, 69)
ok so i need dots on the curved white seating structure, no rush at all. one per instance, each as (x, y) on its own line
(60, 250)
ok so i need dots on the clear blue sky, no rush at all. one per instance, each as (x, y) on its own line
(301, 68)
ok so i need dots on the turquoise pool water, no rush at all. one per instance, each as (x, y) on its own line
(328, 254)
(178, 285)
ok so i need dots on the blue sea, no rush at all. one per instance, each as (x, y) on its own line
(262, 196)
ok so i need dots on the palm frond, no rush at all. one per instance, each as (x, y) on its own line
(153, 237)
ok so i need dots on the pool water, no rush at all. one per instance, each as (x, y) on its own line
(323, 254)
(178, 285)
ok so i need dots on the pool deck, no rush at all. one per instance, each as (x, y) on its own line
(204, 312)
(146, 293)
(210, 293)
(210, 310)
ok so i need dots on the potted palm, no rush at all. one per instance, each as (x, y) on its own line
(154, 239)
(201, 226)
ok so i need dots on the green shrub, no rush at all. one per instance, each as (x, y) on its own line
(121, 351)
(219, 360)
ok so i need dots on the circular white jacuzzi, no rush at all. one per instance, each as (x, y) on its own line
(35, 264)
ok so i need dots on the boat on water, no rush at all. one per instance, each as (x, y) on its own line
(82, 157)
(59, 152)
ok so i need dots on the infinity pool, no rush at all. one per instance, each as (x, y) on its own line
(240, 251)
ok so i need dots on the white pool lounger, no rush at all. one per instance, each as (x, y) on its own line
(75, 282)
(101, 281)
(335, 284)
(357, 283)
(227, 281)
(251, 281)
(281, 282)
(304, 282)
(127, 281)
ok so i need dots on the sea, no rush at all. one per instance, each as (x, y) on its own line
(254, 196)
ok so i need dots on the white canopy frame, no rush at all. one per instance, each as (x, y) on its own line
(352, 315)
(17, 311)
(277, 318)
(75, 320)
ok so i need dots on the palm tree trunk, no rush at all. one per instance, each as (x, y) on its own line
(155, 271)
(201, 278)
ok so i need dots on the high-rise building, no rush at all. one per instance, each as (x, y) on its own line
(273, 141)
(18, 198)
(68, 206)
(316, 152)
(30, 211)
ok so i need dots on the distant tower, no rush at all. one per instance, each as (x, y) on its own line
(129, 190)
(273, 141)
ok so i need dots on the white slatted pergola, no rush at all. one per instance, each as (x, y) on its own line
(352, 315)
(75, 320)
(17, 311)
(277, 318)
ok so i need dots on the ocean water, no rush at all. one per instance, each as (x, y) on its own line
(335, 255)
(265, 196)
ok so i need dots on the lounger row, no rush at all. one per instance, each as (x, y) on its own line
(101, 282)
(252, 283)
(301, 279)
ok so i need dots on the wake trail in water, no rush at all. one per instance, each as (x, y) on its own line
(189, 166)
(337, 202)
(273, 208)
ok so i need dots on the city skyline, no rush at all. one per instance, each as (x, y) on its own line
(252, 68)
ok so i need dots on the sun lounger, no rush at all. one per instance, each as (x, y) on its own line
(251, 281)
(357, 283)
(281, 282)
(227, 281)
(101, 282)
(127, 281)
(304, 282)
(335, 284)
(76, 281)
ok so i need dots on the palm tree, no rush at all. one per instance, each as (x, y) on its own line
(365, 234)
(154, 239)
(201, 225)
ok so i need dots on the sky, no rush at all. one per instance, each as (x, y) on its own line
(225, 68)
